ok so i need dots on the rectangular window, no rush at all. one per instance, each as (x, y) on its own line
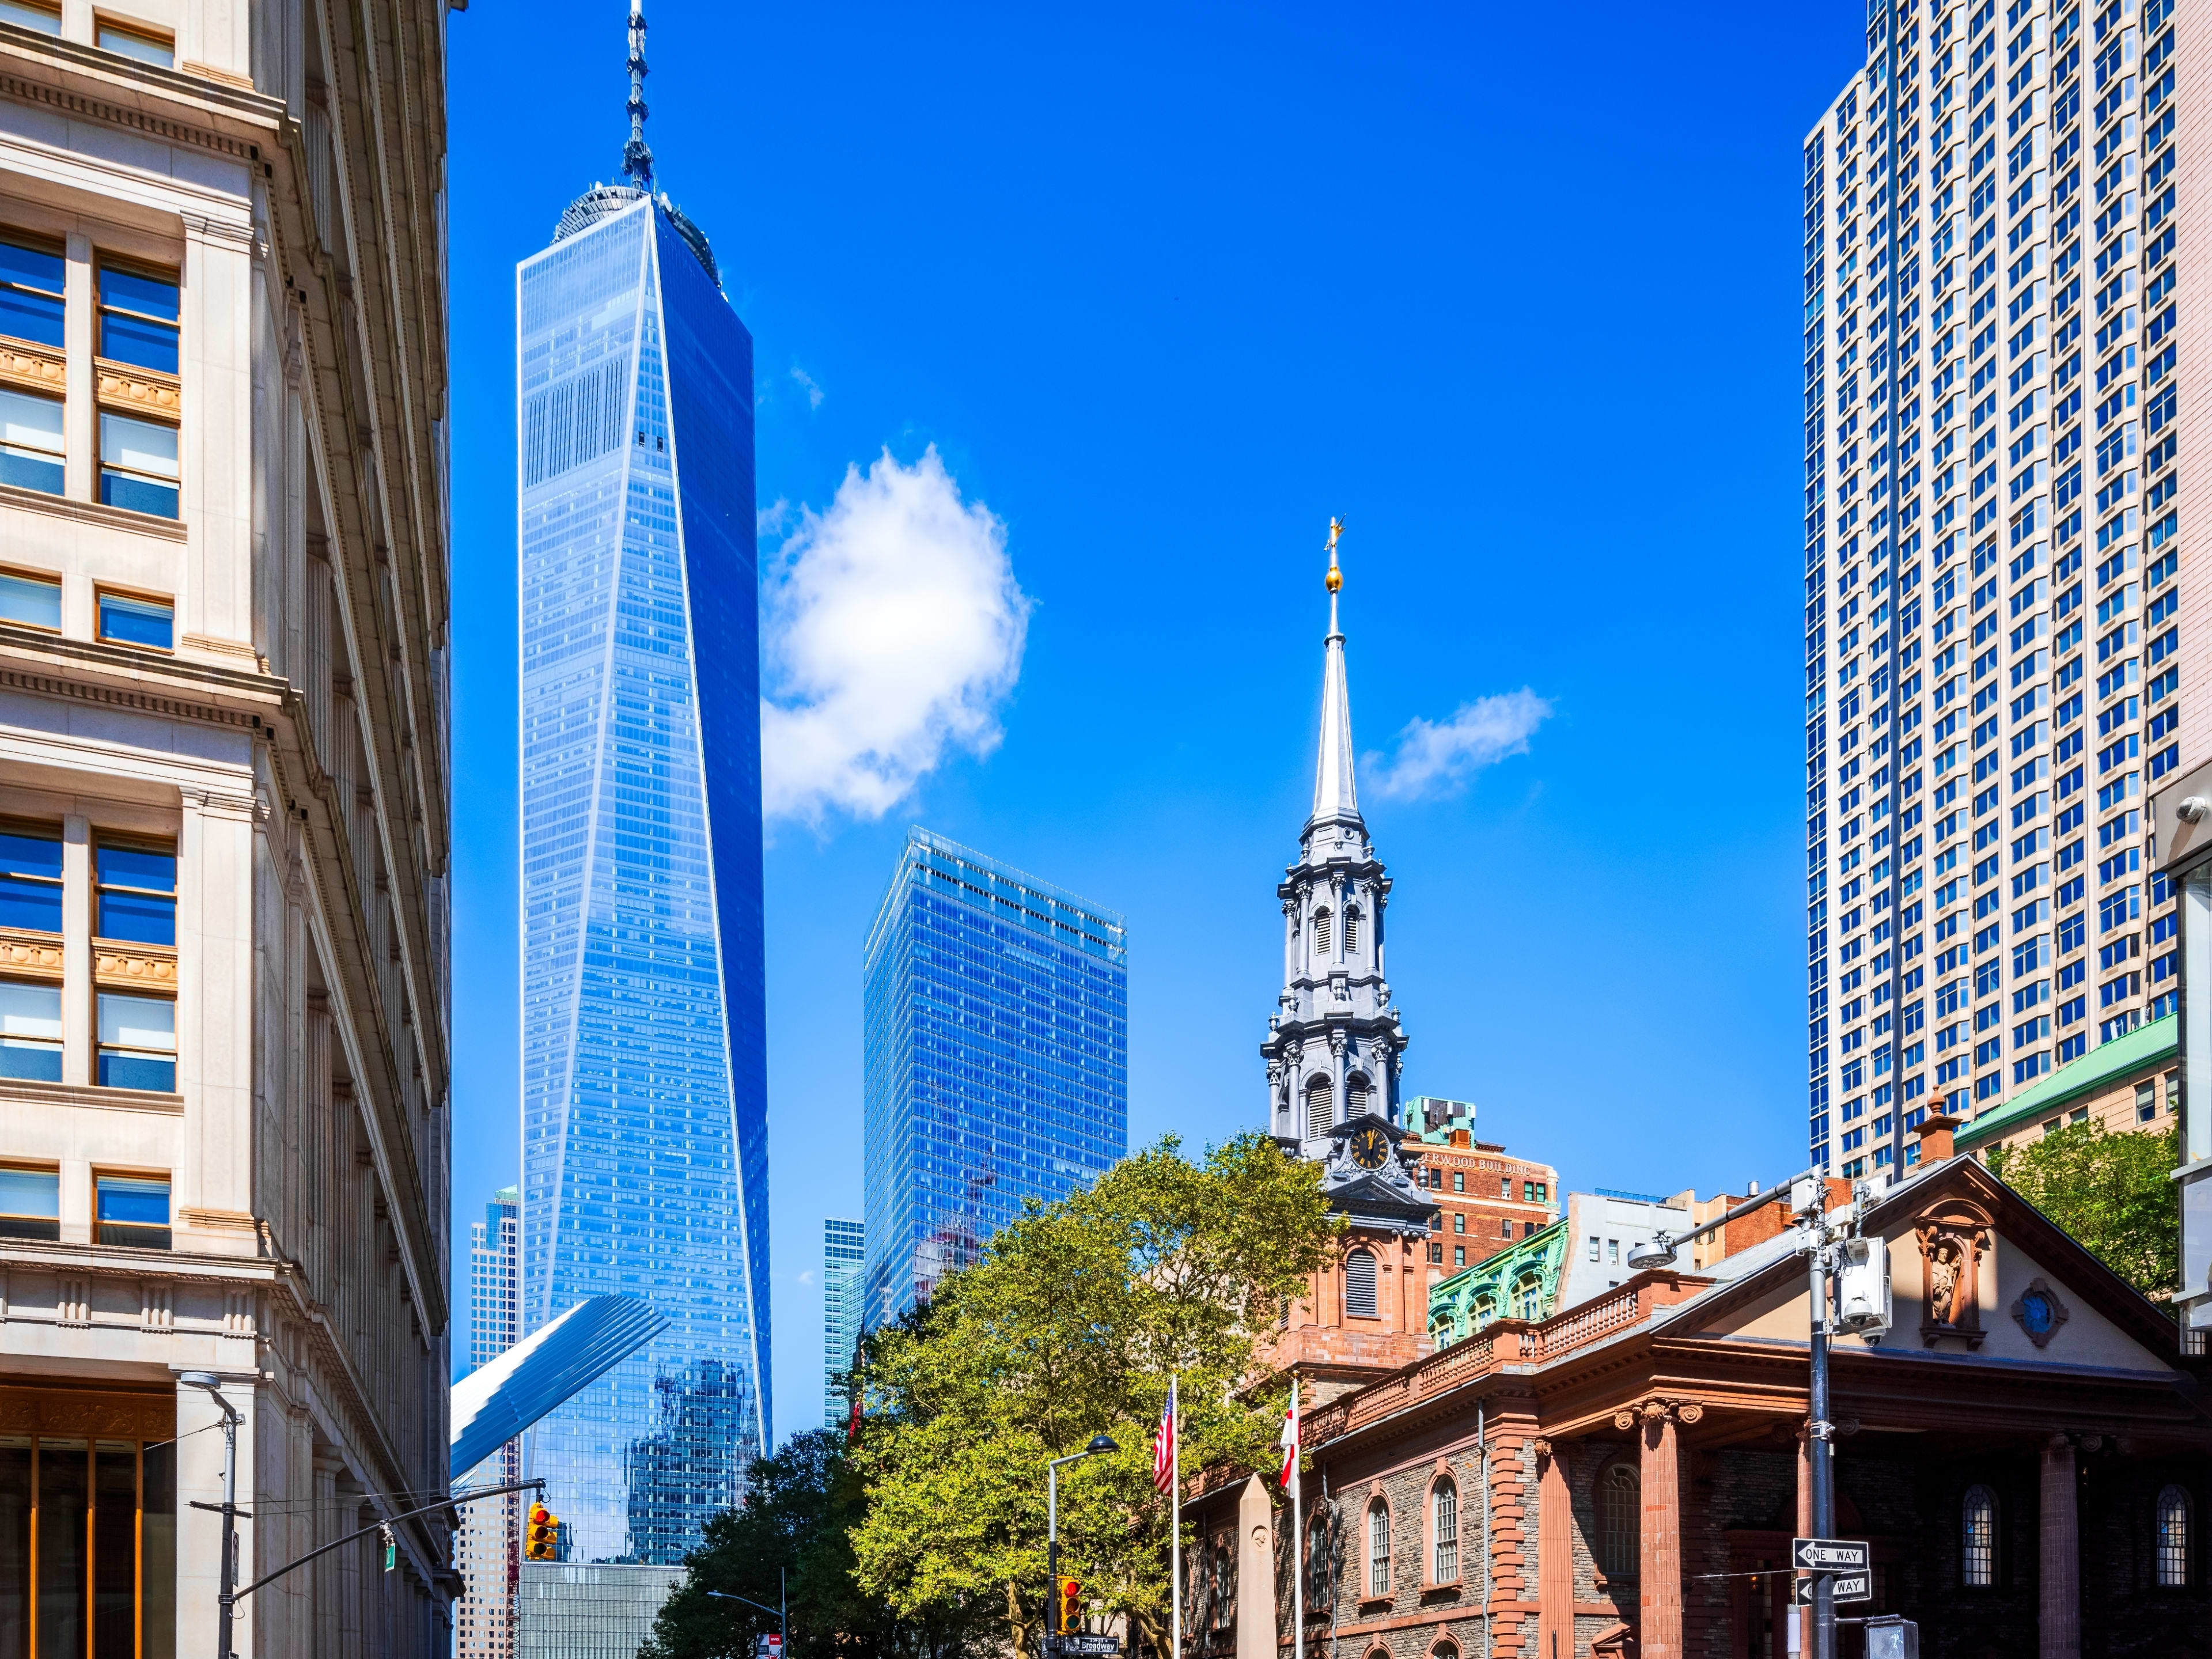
(31, 441)
(1593, 1249)
(32, 601)
(138, 1042)
(130, 619)
(132, 1209)
(27, 14)
(30, 1203)
(1612, 1251)
(30, 877)
(1459, 1180)
(1458, 1255)
(137, 893)
(1459, 1221)
(138, 319)
(138, 464)
(31, 1031)
(31, 277)
(1436, 1254)
(146, 47)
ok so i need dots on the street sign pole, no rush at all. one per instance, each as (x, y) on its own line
(1824, 1491)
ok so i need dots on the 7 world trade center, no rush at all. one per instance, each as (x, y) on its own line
(1993, 379)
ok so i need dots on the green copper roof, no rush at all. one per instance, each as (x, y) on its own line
(1472, 1297)
(2142, 1048)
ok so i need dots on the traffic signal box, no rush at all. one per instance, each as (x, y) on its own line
(1068, 1605)
(538, 1544)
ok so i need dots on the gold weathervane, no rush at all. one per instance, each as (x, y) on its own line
(1335, 577)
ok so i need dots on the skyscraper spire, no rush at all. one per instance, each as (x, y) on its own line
(1335, 797)
(637, 155)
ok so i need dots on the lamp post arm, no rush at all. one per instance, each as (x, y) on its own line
(726, 1595)
(353, 1538)
(1742, 1210)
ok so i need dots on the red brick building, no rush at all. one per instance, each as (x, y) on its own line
(2026, 1450)
(1485, 1199)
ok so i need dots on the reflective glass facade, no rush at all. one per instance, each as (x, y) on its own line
(844, 1262)
(645, 1163)
(997, 1065)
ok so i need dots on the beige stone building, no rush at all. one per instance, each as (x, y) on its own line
(223, 819)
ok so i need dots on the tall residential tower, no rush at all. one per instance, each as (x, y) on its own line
(1993, 354)
(489, 1551)
(644, 1110)
(997, 1059)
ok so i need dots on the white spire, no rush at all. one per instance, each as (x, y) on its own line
(1336, 795)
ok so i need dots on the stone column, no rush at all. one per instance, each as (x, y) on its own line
(1555, 1555)
(2059, 1620)
(1659, 1635)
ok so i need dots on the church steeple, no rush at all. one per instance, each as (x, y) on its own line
(1336, 796)
(1332, 1045)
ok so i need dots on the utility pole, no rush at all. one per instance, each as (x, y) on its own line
(1818, 1430)
(226, 1597)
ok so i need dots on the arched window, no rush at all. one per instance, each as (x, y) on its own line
(1977, 1538)
(1351, 931)
(1355, 1096)
(1443, 1509)
(1359, 1285)
(1486, 1310)
(1378, 1548)
(1318, 1115)
(1619, 1521)
(1528, 1299)
(1444, 1651)
(1319, 1563)
(2173, 1538)
(1320, 932)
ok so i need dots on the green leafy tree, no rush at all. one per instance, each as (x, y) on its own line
(1067, 1327)
(794, 1536)
(2112, 1192)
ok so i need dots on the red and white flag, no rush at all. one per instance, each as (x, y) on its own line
(1163, 1444)
(1290, 1441)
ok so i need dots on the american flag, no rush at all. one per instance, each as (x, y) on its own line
(1290, 1441)
(1163, 1444)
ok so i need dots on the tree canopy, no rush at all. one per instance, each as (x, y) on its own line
(2112, 1192)
(792, 1537)
(1067, 1327)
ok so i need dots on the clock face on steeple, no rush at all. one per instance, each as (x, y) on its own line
(1370, 1147)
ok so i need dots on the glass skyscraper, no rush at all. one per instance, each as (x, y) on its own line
(844, 1260)
(997, 1059)
(644, 1116)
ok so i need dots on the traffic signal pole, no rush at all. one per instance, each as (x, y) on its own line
(1822, 1433)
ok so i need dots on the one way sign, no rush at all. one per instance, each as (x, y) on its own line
(1828, 1554)
(1842, 1587)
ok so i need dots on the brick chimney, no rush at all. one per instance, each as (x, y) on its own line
(1935, 1131)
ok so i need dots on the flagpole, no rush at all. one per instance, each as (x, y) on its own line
(1175, 1507)
(1297, 1530)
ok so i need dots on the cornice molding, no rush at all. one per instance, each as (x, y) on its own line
(176, 105)
(111, 517)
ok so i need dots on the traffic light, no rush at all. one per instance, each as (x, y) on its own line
(1070, 1604)
(538, 1543)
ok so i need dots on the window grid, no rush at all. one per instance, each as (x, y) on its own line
(1977, 1553)
(1446, 1508)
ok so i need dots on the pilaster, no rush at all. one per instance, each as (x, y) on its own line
(2059, 1582)
(1659, 1633)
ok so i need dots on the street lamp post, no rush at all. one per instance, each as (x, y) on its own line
(782, 1610)
(1098, 1443)
(226, 1595)
(1807, 1194)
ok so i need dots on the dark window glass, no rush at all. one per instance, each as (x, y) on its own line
(124, 620)
(137, 898)
(115, 1550)
(158, 1540)
(138, 319)
(65, 1506)
(15, 1546)
(31, 879)
(30, 287)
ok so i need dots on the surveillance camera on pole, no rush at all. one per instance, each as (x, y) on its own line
(1863, 1287)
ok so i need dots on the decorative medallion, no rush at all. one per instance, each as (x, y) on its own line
(2038, 1311)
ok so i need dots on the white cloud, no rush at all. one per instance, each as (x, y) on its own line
(1438, 758)
(894, 630)
(813, 393)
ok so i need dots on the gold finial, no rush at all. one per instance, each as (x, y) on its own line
(1335, 580)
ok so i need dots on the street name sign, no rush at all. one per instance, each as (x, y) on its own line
(1829, 1554)
(1848, 1587)
(1083, 1645)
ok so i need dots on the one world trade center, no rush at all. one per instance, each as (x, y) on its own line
(644, 1113)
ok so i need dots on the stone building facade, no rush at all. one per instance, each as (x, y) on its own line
(224, 808)
(2028, 1451)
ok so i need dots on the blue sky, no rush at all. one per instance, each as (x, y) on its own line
(1166, 287)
